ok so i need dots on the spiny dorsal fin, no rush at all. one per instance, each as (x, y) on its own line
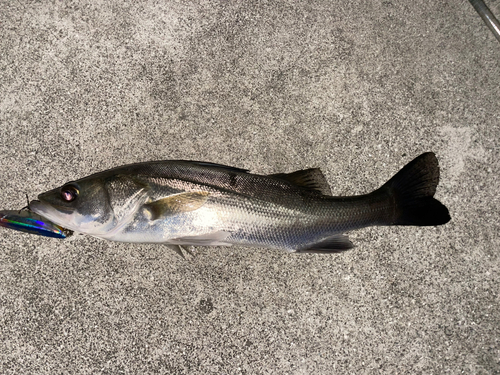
(333, 244)
(215, 165)
(311, 178)
(174, 204)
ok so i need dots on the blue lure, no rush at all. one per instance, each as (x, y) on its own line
(29, 222)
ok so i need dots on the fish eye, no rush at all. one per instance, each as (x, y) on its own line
(69, 193)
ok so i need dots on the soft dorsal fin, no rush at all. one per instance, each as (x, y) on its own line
(311, 178)
(174, 204)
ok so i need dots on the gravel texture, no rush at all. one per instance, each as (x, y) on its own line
(357, 88)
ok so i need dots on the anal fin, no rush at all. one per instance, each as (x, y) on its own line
(333, 244)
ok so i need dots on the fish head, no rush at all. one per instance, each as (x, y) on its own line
(94, 205)
(82, 206)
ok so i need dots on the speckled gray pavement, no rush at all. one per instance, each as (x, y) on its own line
(357, 88)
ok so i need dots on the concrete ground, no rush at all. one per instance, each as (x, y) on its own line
(358, 88)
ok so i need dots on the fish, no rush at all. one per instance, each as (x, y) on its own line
(189, 203)
(29, 222)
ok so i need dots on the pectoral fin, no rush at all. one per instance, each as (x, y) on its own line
(175, 204)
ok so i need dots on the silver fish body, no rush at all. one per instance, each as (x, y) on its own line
(196, 203)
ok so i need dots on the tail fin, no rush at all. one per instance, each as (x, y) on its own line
(413, 188)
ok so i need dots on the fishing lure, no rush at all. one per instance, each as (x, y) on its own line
(30, 222)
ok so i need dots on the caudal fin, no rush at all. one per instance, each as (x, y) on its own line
(413, 188)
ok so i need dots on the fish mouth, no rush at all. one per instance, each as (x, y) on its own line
(56, 215)
(41, 202)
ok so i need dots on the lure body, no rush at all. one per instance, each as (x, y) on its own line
(30, 222)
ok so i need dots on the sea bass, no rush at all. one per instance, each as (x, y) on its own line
(206, 204)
